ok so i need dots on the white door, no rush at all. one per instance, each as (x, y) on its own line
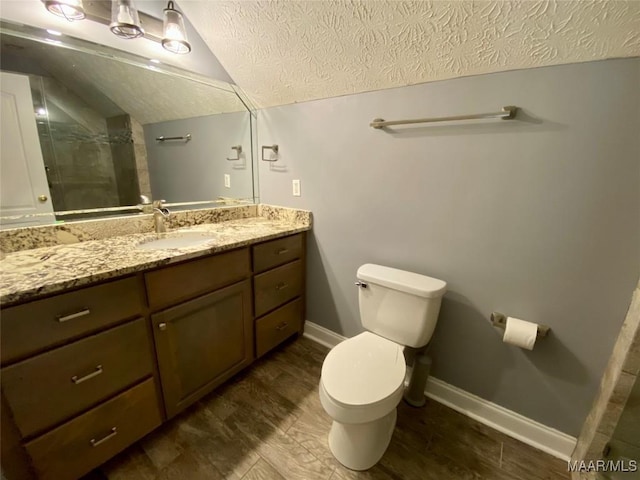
(24, 190)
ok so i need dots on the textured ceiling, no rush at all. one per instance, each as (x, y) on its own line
(287, 51)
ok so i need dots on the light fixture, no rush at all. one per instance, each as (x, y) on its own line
(69, 9)
(174, 36)
(125, 22)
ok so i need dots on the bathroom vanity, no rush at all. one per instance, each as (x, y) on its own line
(88, 371)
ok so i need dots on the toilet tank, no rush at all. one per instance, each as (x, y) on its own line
(398, 305)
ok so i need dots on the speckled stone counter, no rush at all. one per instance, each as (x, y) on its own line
(26, 238)
(29, 274)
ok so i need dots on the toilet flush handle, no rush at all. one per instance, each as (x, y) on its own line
(361, 284)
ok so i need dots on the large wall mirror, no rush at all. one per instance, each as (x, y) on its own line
(110, 127)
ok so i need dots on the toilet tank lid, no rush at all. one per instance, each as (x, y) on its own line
(409, 282)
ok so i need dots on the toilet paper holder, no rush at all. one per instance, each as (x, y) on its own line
(500, 320)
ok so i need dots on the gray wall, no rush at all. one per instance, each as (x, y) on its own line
(538, 218)
(193, 171)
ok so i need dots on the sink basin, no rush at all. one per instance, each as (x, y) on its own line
(179, 241)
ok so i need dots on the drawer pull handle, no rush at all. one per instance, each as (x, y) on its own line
(162, 326)
(113, 433)
(95, 373)
(282, 251)
(81, 313)
(282, 326)
(281, 286)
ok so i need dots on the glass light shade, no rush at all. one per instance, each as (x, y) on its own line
(69, 9)
(174, 36)
(125, 22)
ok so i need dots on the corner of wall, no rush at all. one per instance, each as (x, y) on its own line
(617, 382)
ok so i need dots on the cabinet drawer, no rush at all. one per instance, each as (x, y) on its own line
(277, 326)
(34, 326)
(51, 388)
(277, 286)
(78, 446)
(172, 285)
(276, 252)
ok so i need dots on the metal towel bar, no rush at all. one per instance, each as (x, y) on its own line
(507, 113)
(162, 138)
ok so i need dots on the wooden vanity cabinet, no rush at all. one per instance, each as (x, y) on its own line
(77, 380)
(204, 311)
(278, 285)
(203, 341)
(88, 372)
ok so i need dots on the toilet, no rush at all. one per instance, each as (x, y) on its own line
(362, 378)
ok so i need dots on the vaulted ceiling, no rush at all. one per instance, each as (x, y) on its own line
(286, 51)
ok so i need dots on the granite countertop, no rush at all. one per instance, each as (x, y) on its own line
(29, 274)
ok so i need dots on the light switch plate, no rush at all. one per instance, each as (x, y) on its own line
(296, 188)
(227, 180)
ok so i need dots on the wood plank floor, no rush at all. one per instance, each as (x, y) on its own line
(267, 423)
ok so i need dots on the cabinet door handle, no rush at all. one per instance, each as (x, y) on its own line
(162, 326)
(71, 316)
(281, 286)
(113, 433)
(282, 326)
(282, 251)
(77, 380)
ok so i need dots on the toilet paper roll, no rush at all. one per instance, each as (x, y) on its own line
(520, 333)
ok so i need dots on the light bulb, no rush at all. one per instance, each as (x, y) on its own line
(174, 37)
(69, 9)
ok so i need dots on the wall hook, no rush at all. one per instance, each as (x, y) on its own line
(274, 148)
(238, 149)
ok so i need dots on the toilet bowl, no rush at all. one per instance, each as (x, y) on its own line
(362, 379)
(361, 384)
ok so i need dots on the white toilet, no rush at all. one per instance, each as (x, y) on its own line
(362, 378)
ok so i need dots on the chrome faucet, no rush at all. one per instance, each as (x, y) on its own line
(159, 214)
(145, 205)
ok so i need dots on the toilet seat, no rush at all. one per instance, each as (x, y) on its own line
(364, 371)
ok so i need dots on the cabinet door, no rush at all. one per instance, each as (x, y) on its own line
(203, 342)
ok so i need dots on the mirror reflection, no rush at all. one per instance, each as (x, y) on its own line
(111, 130)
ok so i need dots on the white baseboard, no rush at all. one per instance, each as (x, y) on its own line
(528, 431)
(322, 335)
